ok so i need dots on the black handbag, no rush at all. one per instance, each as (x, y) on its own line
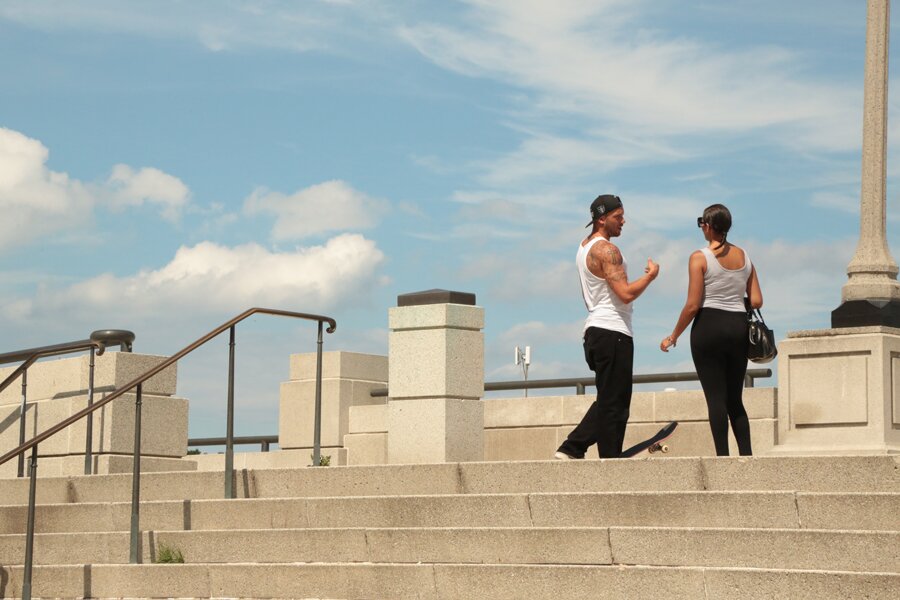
(762, 339)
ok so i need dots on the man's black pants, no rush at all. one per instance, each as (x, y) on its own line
(610, 355)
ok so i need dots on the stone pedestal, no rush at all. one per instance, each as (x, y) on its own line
(436, 379)
(57, 389)
(839, 391)
(347, 380)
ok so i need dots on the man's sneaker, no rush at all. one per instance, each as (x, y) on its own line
(560, 455)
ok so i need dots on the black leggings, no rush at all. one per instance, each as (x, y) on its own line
(719, 349)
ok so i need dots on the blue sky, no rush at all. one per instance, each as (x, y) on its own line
(165, 165)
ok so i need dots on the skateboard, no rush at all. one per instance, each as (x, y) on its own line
(654, 444)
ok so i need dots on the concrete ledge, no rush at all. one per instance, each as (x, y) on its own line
(804, 474)
(864, 511)
(429, 582)
(811, 474)
(757, 548)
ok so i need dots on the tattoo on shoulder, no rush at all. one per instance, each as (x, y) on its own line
(613, 256)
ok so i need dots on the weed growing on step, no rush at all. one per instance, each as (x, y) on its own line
(324, 461)
(168, 554)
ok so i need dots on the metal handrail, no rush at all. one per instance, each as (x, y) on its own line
(264, 441)
(580, 383)
(137, 382)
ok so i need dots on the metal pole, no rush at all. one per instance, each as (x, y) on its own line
(317, 431)
(579, 389)
(748, 380)
(21, 471)
(29, 535)
(229, 426)
(89, 426)
(136, 482)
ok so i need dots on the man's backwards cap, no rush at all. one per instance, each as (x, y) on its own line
(604, 203)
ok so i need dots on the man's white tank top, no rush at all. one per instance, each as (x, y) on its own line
(725, 288)
(605, 309)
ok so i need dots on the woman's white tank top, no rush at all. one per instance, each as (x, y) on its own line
(725, 288)
(605, 309)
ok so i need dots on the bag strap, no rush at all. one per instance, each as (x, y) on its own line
(755, 312)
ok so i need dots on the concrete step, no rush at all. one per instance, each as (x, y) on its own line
(433, 582)
(597, 509)
(810, 473)
(644, 546)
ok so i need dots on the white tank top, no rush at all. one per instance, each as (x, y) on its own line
(605, 309)
(725, 288)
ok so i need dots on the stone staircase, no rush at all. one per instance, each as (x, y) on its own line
(717, 528)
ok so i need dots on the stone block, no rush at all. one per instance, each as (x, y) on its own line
(70, 376)
(757, 548)
(436, 362)
(368, 419)
(366, 448)
(490, 545)
(297, 406)
(851, 511)
(540, 411)
(665, 509)
(45, 379)
(340, 365)
(839, 391)
(435, 430)
(451, 316)
(525, 443)
(113, 370)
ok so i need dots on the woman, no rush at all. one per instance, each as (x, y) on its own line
(720, 275)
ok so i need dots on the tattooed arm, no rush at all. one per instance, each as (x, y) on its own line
(605, 261)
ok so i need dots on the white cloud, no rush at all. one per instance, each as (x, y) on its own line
(329, 206)
(37, 202)
(218, 26)
(595, 60)
(132, 188)
(212, 279)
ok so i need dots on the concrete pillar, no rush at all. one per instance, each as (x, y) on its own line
(871, 295)
(436, 378)
(839, 388)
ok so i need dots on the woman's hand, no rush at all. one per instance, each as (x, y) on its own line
(666, 343)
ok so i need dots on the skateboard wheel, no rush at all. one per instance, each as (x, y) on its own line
(654, 448)
(664, 448)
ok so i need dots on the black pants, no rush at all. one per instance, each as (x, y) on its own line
(610, 355)
(719, 349)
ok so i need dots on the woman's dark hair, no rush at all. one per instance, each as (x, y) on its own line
(718, 217)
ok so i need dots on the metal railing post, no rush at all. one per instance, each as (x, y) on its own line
(229, 425)
(21, 471)
(136, 482)
(29, 534)
(748, 380)
(579, 389)
(317, 427)
(89, 426)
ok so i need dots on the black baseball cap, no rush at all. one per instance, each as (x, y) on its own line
(603, 204)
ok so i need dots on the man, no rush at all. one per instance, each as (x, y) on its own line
(608, 345)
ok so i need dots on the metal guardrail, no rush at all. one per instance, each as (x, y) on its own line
(264, 441)
(137, 385)
(580, 383)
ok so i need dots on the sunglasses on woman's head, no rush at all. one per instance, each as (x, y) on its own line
(699, 221)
